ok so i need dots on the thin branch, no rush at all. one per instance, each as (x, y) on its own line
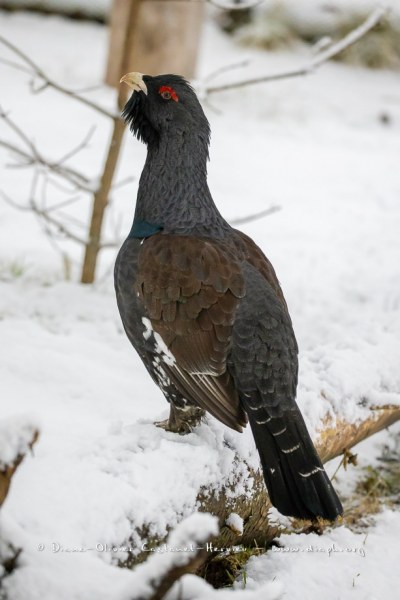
(58, 185)
(350, 39)
(73, 220)
(155, 577)
(226, 68)
(45, 216)
(75, 178)
(35, 157)
(88, 89)
(8, 200)
(57, 224)
(255, 216)
(14, 65)
(83, 144)
(20, 133)
(64, 203)
(47, 82)
(110, 244)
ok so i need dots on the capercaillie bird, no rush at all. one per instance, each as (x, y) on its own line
(202, 306)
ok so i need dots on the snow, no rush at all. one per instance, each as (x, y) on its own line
(319, 148)
(182, 545)
(235, 522)
(16, 435)
(340, 560)
(279, 520)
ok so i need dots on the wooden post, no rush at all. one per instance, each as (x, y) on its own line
(165, 38)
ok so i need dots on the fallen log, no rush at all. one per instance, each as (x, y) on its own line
(335, 437)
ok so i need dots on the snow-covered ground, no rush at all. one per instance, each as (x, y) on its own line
(326, 150)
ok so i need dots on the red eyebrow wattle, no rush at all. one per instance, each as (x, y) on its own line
(166, 88)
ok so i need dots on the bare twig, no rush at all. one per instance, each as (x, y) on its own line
(11, 202)
(34, 157)
(75, 178)
(83, 144)
(14, 65)
(350, 39)
(20, 133)
(61, 227)
(64, 203)
(255, 216)
(36, 71)
(226, 68)
(44, 214)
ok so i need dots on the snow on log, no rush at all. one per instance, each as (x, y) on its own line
(216, 471)
(334, 438)
(17, 436)
(184, 551)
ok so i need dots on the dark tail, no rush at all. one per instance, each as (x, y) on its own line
(297, 483)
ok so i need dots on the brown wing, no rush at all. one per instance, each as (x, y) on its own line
(255, 257)
(190, 289)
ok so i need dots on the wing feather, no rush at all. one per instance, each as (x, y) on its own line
(190, 288)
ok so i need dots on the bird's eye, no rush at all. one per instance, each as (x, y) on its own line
(167, 93)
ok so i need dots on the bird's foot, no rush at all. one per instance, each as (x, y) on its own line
(182, 421)
(163, 424)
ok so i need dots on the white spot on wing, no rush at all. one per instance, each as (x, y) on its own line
(162, 349)
(162, 377)
(160, 346)
(148, 328)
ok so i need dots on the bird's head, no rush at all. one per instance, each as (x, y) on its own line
(163, 106)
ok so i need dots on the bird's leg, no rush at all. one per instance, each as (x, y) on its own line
(182, 420)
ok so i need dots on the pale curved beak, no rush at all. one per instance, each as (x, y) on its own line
(135, 82)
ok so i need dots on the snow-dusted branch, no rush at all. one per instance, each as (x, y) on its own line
(46, 82)
(332, 51)
(242, 490)
(184, 551)
(17, 437)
